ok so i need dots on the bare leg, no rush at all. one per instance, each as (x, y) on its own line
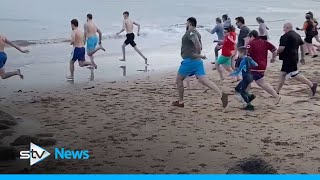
(281, 82)
(204, 80)
(6, 75)
(71, 70)
(230, 70)
(123, 52)
(138, 51)
(180, 87)
(310, 49)
(84, 63)
(268, 88)
(187, 79)
(92, 62)
(216, 52)
(303, 80)
(96, 50)
(220, 71)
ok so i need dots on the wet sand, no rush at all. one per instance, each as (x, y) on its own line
(129, 126)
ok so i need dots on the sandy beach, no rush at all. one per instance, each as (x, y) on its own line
(129, 126)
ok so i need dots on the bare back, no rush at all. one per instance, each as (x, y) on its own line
(78, 38)
(2, 43)
(91, 29)
(128, 24)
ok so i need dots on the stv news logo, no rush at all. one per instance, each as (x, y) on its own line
(37, 154)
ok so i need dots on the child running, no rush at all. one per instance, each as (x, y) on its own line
(228, 51)
(244, 69)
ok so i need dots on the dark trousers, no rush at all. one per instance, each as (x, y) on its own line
(242, 87)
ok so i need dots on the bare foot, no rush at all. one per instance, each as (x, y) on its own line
(102, 48)
(146, 61)
(70, 78)
(92, 67)
(19, 74)
(122, 59)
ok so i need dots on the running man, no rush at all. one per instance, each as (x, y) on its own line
(3, 58)
(258, 50)
(192, 63)
(288, 53)
(228, 51)
(79, 52)
(90, 35)
(244, 31)
(244, 70)
(128, 27)
(218, 29)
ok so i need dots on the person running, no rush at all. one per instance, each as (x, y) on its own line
(244, 31)
(128, 27)
(263, 28)
(258, 50)
(309, 28)
(219, 30)
(228, 51)
(226, 21)
(247, 78)
(3, 58)
(192, 63)
(316, 26)
(242, 40)
(90, 34)
(288, 53)
(79, 52)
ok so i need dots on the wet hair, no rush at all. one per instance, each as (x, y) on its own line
(240, 19)
(308, 16)
(260, 20)
(75, 22)
(225, 16)
(126, 13)
(89, 16)
(218, 20)
(253, 33)
(310, 13)
(192, 21)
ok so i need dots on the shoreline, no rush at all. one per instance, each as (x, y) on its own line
(129, 126)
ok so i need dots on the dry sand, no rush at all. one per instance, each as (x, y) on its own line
(130, 127)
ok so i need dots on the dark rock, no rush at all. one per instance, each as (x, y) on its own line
(8, 153)
(8, 122)
(252, 165)
(45, 135)
(3, 126)
(25, 140)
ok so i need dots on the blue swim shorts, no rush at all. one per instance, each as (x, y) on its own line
(190, 67)
(92, 43)
(3, 59)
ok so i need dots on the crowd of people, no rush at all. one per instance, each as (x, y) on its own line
(243, 56)
(246, 57)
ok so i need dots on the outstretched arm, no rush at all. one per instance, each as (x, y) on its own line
(15, 46)
(135, 23)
